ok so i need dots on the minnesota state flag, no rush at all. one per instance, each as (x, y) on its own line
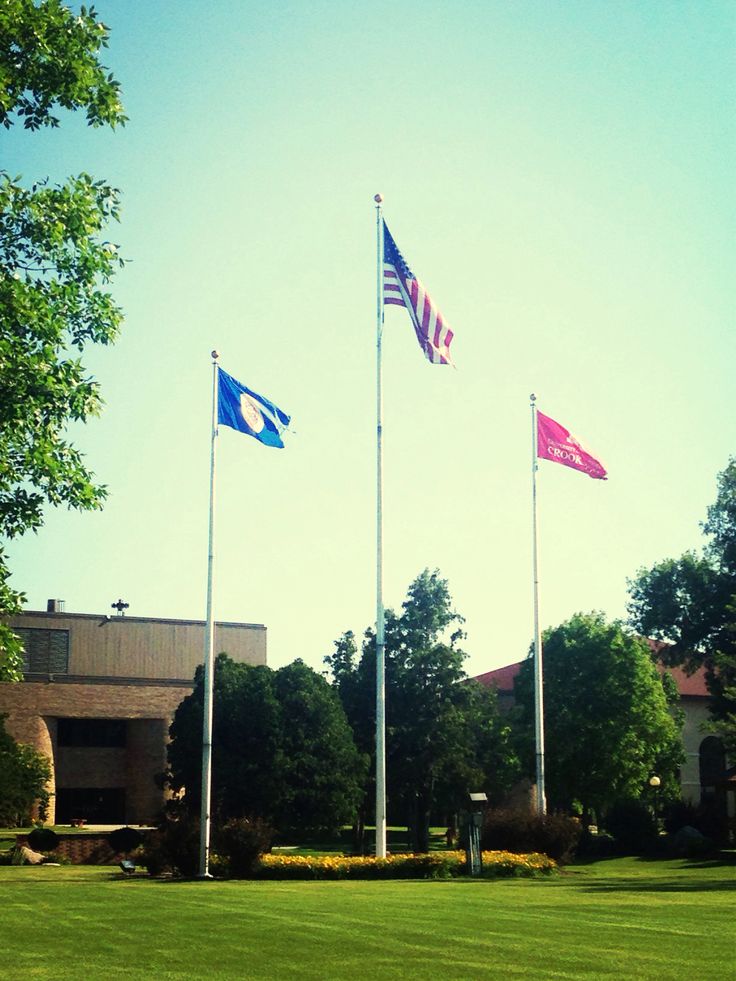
(249, 413)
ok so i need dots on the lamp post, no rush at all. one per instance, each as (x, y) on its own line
(654, 783)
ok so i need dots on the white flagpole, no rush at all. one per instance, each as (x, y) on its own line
(538, 673)
(380, 615)
(209, 646)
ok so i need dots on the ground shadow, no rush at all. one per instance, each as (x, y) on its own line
(671, 885)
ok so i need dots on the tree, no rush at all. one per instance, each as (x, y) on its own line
(323, 770)
(54, 267)
(246, 741)
(444, 736)
(611, 720)
(24, 776)
(282, 748)
(690, 604)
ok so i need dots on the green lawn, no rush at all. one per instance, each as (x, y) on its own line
(620, 919)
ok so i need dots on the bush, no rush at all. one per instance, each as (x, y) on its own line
(680, 814)
(43, 840)
(241, 842)
(174, 847)
(555, 835)
(434, 865)
(688, 842)
(124, 840)
(705, 817)
(600, 845)
(632, 824)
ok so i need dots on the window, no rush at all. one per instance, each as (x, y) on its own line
(97, 805)
(45, 651)
(103, 733)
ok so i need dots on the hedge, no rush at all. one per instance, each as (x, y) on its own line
(435, 865)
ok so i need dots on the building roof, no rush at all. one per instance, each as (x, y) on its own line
(502, 679)
(693, 684)
(129, 618)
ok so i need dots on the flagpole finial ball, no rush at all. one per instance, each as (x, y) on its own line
(215, 355)
(533, 397)
(378, 198)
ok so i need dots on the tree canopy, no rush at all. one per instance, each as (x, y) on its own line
(54, 269)
(444, 736)
(49, 57)
(611, 720)
(690, 604)
(282, 749)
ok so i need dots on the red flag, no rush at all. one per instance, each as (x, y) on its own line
(555, 443)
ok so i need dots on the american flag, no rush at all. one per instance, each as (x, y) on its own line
(402, 289)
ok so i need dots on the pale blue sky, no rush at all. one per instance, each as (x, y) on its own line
(560, 176)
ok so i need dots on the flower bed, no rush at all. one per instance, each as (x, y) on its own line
(435, 865)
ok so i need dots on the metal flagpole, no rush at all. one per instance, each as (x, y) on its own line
(538, 673)
(380, 616)
(209, 646)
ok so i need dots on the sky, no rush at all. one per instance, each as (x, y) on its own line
(560, 177)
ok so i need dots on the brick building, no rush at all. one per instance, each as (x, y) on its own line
(97, 698)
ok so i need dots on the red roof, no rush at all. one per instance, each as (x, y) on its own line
(693, 684)
(502, 679)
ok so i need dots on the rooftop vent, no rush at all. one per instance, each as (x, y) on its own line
(55, 606)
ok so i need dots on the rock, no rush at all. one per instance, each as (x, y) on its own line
(28, 855)
(689, 842)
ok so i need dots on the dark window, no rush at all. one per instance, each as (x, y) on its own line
(97, 805)
(92, 732)
(45, 651)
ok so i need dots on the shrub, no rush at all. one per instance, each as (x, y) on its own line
(241, 842)
(600, 845)
(688, 842)
(43, 840)
(124, 840)
(679, 814)
(632, 824)
(704, 817)
(435, 865)
(174, 847)
(519, 831)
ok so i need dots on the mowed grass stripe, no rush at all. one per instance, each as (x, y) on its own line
(648, 923)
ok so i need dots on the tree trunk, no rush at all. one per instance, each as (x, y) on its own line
(359, 833)
(421, 821)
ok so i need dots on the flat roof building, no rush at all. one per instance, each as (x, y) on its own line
(97, 698)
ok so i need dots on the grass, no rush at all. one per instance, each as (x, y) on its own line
(616, 919)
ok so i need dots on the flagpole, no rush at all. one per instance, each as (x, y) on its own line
(209, 645)
(380, 613)
(538, 673)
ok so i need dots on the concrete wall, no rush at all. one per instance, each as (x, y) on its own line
(696, 714)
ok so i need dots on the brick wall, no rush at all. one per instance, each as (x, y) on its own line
(86, 850)
(33, 708)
